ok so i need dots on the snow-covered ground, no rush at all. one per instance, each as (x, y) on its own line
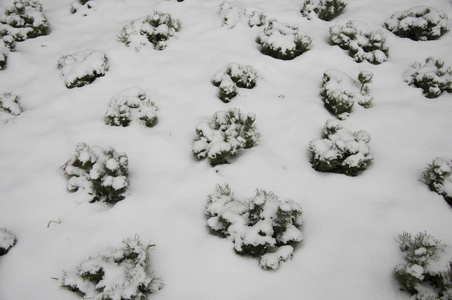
(349, 223)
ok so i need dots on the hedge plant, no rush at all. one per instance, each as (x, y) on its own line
(438, 177)
(232, 77)
(324, 9)
(9, 105)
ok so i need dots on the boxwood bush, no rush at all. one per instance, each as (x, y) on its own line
(324, 9)
(82, 6)
(7, 241)
(232, 15)
(438, 177)
(7, 45)
(232, 77)
(9, 106)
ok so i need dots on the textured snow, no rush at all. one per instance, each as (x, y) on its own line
(7, 239)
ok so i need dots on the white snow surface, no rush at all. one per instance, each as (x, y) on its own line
(349, 223)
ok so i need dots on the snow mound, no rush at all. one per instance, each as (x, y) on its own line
(7, 240)
(82, 7)
(323, 9)
(232, 77)
(9, 106)
(232, 15)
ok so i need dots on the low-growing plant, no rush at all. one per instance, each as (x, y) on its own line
(415, 275)
(82, 6)
(152, 30)
(438, 177)
(283, 41)
(262, 226)
(434, 77)
(361, 41)
(225, 136)
(7, 45)
(324, 9)
(7, 241)
(420, 23)
(232, 15)
(232, 77)
(101, 173)
(117, 274)
(340, 150)
(131, 104)
(81, 68)
(9, 105)
(339, 92)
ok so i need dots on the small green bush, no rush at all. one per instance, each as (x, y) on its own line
(7, 241)
(438, 177)
(232, 15)
(9, 106)
(225, 136)
(324, 9)
(117, 274)
(262, 226)
(434, 77)
(232, 77)
(7, 45)
(102, 173)
(82, 6)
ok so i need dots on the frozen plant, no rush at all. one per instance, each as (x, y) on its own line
(340, 150)
(262, 226)
(339, 92)
(434, 77)
(131, 104)
(283, 41)
(438, 177)
(420, 23)
(7, 240)
(82, 6)
(152, 30)
(361, 41)
(232, 15)
(225, 136)
(416, 275)
(232, 77)
(324, 9)
(24, 20)
(81, 68)
(7, 44)
(117, 274)
(10, 105)
(102, 173)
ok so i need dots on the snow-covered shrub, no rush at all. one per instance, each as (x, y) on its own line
(415, 275)
(232, 15)
(434, 77)
(83, 67)
(324, 9)
(102, 173)
(283, 41)
(24, 20)
(340, 150)
(9, 105)
(225, 136)
(420, 23)
(7, 240)
(438, 177)
(7, 44)
(361, 41)
(152, 30)
(234, 76)
(262, 226)
(131, 104)
(82, 6)
(117, 274)
(340, 92)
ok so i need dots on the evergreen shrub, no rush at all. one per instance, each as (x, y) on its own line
(102, 173)
(7, 45)
(117, 274)
(416, 275)
(232, 15)
(434, 77)
(283, 41)
(339, 92)
(83, 67)
(340, 150)
(420, 23)
(232, 77)
(7, 241)
(131, 104)
(225, 136)
(262, 226)
(82, 6)
(10, 105)
(153, 30)
(438, 177)
(324, 9)
(361, 41)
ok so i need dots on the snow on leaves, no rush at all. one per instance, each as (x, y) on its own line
(82, 7)
(438, 177)
(7, 240)
(232, 77)
(232, 15)
(9, 106)
(262, 226)
(324, 9)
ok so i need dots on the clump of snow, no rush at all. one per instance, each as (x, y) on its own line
(262, 226)
(434, 77)
(225, 136)
(131, 104)
(438, 177)
(283, 41)
(340, 92)
(420, 23)
(81, 68)
(152, 30)
(7, 240)
(82, 6)
(361, 41)
(116, 274)
(324, 9)
(24, 20)
(9, 106)
(340, 150)
(232, 77)
(232, 15)
(101, 173)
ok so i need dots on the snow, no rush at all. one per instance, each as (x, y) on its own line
(349, 223)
